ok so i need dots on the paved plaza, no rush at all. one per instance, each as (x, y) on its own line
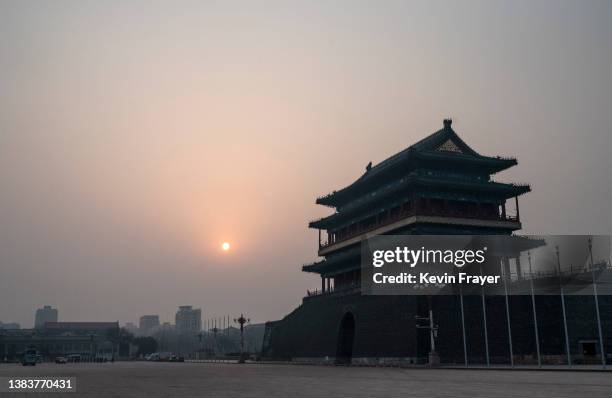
(148, 379)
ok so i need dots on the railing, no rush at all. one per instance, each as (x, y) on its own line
(422, 212)
(340, 291)
(565, 273)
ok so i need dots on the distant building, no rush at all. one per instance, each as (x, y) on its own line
(10, 325)
(167, 327)
(45, 314)
(148, 323)
(86, 339)
(130, 327)
(188, 319)
(81, 328)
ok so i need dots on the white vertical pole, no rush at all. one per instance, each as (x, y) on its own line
(535, 316)
(465, 355)
(567, 343)
(484, 316)
(601, 346)
(431, 330)
(506, 276)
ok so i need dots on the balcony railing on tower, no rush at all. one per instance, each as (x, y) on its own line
(391, 217)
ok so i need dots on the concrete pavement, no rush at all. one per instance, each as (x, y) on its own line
(150, 379)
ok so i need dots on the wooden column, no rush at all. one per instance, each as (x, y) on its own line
(518, 214)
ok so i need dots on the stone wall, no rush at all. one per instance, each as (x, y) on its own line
(386, 332)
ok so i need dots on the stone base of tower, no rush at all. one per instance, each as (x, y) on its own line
(382, 330)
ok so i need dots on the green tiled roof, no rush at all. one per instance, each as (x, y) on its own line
(425, 149)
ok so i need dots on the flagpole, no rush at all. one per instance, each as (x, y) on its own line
(567, 344)
(535, 316)
(484, 316)
(506, 275)
(601, 346)
(465, 355)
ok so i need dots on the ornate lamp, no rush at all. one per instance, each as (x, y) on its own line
(241, 321)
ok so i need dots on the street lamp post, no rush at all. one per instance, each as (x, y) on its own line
(200, 335)
(241, 321)
(215, 330)
(433, 358)
(91, 347)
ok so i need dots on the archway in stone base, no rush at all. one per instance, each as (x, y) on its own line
(346, 337)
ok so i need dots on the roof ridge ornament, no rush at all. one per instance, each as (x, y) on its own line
(447, 123)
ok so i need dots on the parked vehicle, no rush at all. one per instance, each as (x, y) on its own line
(159, 356)
(61, 360)
(29, 358)
(74, 358)
(152, 357)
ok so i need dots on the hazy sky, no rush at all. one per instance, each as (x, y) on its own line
(135, 137)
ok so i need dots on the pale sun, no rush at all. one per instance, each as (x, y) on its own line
(225, 246)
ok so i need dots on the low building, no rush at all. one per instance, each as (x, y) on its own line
(84, 339)
(10, 325)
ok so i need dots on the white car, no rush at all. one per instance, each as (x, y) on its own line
(152, 357)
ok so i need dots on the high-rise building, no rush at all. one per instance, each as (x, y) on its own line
(148, 323)
(45, 314)
(188, 319)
